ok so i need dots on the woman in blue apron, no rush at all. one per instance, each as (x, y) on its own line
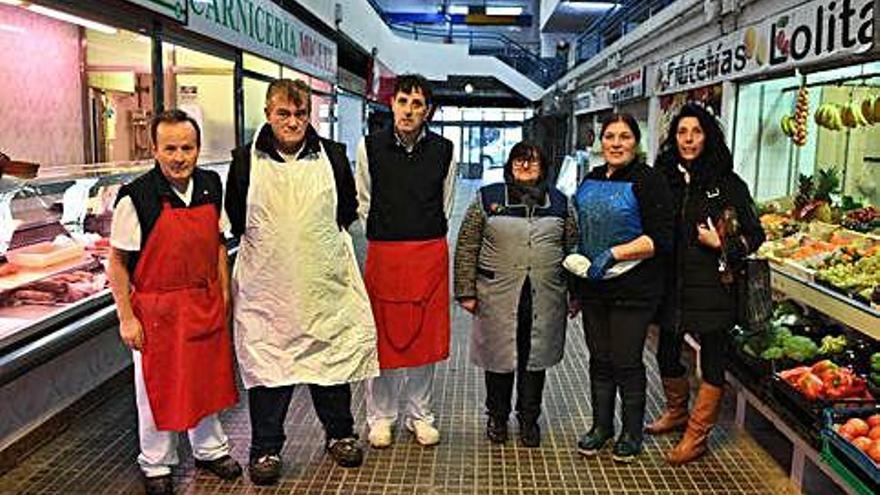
(625, 220)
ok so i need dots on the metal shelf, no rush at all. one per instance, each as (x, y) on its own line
(846, 310)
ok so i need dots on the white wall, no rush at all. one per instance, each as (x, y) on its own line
(433, 60)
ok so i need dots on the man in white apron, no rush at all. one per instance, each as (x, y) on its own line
(301, 312)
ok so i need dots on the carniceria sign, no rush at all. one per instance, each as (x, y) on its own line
(263, 28)
(816, 31)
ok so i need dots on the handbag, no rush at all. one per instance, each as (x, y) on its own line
(754, 301)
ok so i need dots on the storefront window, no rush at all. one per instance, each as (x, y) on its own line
(202, 85)
(770, 161)
(260, 66)
(254, 106)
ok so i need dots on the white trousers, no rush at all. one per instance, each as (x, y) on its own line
(384, 394)
(159, 448)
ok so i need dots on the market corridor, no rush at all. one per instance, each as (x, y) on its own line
(96, 455)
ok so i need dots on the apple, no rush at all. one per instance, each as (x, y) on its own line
(862, 443)
(874, 420)
(846, 431)
(874, 434)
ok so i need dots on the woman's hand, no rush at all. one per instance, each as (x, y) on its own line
(707, 235)
(132, 333)
(469, 304)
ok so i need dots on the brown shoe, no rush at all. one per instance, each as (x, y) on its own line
(225, 467)
(703, 418)
(676, 414)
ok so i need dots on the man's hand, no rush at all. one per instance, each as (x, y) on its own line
(132, 333)
(469, 304)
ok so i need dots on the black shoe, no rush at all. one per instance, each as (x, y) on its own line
(265, 470)
(347, 452)
(626, 448)
(224, 467)
(496, 430)
(159, 485)
(530, 434)
(593, 441)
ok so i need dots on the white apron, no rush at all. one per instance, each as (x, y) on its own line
(302, 314)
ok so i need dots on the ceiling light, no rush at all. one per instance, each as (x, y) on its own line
(64, 16)
(12, 29)
(457, 9)
(468, 88)
(578, 5)
(504, 10)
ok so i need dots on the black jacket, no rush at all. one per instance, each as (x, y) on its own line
(238, 181)
(643, 285)
(696, 300)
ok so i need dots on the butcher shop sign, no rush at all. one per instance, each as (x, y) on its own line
(816, 31)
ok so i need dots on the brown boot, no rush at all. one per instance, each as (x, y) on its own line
(703, 418)
(676, 414)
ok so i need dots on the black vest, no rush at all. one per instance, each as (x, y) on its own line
(406, 191)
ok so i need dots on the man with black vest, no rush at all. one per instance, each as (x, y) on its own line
(301, 311)
(405, 179)
(170, 279)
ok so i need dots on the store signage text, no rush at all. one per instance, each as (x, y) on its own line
(592, 100)
(175, 9)
(626, 87)
(261, 27)
(816, 31)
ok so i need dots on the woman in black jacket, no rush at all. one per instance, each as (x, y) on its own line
(710, 199)
(625, 217)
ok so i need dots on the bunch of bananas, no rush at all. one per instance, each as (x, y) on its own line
(848, 116)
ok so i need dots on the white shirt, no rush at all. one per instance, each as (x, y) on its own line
(125, 230)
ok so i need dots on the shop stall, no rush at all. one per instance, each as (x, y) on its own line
(81, 129)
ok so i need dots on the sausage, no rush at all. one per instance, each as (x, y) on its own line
(37, 296)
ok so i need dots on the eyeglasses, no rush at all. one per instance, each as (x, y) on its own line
(524, 162)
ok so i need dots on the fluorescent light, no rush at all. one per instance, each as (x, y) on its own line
(458, 9)
(504, 10)
(14, 3)
(592, 5)
(64, 16)
(12, 29)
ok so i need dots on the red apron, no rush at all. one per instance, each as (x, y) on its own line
(187, 354)
(408, 284)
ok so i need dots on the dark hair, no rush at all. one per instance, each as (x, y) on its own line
(407, 83)
(627, 119)
(527, 150)
(295, 90)
(174, 116)
(715, 159)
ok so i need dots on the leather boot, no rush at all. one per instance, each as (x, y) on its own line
(703, 418)
(676, 414)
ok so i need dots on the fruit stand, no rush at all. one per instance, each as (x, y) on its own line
(817, 366)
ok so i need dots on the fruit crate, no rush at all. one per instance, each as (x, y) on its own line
(853, 465)
(810, 413)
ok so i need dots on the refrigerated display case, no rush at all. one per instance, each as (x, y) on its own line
(54, 243)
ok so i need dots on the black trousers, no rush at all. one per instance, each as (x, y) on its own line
(268, 409)
(713, 354)
(529, 384)
(616, 339)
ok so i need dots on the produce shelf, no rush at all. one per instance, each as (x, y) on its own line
(856, 314)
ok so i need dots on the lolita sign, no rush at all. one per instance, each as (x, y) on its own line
(816, 31)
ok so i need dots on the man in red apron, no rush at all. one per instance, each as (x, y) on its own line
(405, 179)
(170, 278)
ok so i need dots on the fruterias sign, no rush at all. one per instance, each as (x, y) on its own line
(816, 31)
(627, 87)
(265, 29)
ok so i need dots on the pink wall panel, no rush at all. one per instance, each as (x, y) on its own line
(40, 89)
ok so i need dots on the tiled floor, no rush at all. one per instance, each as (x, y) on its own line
(97, 454)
